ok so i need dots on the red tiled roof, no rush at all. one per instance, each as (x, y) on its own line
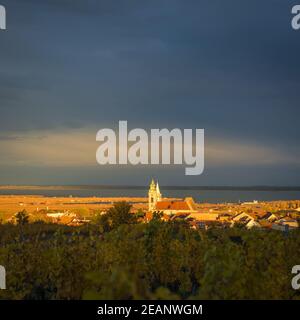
(172, 205)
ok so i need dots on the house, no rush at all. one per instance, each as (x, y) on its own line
(179, 216)
(149, 216)
(269, 216)
(244, 217)
(57, 215)
(79, 222)
(254, 202)
(249, 220)
(280, 227)
(292, 223)
(266, 224)
(176, 206)
(65, 220)
(207, 224)
(66, 217)
(252, 224)
(204, 216)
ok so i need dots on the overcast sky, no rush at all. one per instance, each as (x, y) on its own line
(69, 68)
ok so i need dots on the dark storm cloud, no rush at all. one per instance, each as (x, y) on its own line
(229, 67)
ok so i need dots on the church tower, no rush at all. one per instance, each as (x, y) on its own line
(158, 194)
(154, 195)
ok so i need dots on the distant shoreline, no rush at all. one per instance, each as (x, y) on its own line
(117, 187)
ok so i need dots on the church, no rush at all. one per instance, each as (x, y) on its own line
(169, 207)
(154, 195)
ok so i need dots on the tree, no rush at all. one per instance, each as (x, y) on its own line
(22, 218)
(102, 221)
(140, 213)
(120, 214)
(157, 215)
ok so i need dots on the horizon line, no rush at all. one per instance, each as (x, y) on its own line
(143, 187)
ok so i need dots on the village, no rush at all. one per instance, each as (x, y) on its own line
(277, 215)
(272, 215)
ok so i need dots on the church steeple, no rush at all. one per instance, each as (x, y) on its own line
(158, 194)
(152, 185)
(154, 195)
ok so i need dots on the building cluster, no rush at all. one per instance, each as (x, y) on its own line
(247, 214)
(277, 215)
(66, 218)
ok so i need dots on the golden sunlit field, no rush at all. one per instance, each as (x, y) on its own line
(9, 205)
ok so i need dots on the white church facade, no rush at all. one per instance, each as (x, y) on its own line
(169, 207)
(154, 195)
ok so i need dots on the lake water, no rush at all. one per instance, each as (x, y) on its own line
(212, 196)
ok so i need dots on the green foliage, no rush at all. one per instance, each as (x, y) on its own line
(103, 222)
(157, 215)
(140, 214)
(117, 258)
(22, 218)
(120, 214)
(82, 213)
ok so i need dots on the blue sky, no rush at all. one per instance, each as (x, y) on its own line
(69, 68)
